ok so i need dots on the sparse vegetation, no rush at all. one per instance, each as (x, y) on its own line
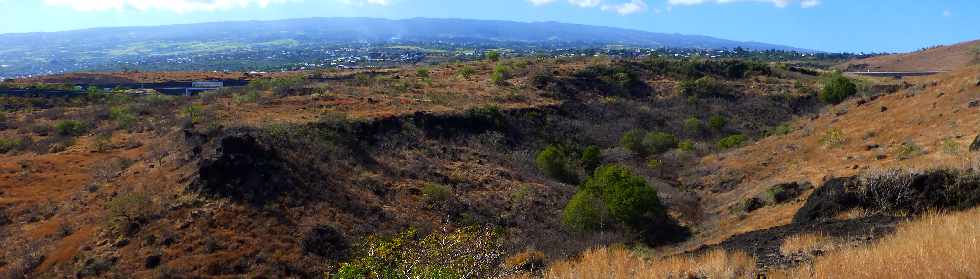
(908, 150)
(436, 194)
(126, 213)
(70, 128)
(833, 138)
(471, 252)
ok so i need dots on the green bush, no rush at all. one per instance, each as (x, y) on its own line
(436, 194)
(659, 142)
(732, 141)
(467, 71)
(493, 56)
(837, 88)
(13, 144)
(249, 96)
(585, 212)
(591, 159)
(717, 122)
(705, 87)
(127, 212)
(627, 197)
(123, 117)
(783, 129)
(909, 150)
(500, 75)
(633, 141)
(70, 128)
(693, 125)
(470, 252)
(686, 145)
(422, 72)
(554, 162)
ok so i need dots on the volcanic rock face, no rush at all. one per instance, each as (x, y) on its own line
(243, 169)
(893, 191)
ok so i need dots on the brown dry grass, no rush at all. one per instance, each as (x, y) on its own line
(804, 243)
(617, 262)
(942, 245)
(936, 246)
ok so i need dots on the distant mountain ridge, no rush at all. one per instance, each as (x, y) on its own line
(109, 47)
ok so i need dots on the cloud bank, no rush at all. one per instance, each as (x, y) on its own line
(622, 8)
(179, 6)
(777, 3)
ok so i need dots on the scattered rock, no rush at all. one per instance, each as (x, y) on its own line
(871, 146)
(122, 242)
(880, 157)
(884, 108)
(973, 104)
(976, 144)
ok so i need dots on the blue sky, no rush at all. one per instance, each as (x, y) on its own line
(830, 25)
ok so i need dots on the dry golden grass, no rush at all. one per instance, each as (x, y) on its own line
(804, 243)
(936, 246)
(619, 263)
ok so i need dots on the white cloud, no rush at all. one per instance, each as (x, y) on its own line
(622, 8)
(541, 2)
(631, 7)
(777, 3)
(585, 3)
(947, 13)
(366, 2)
(179, 6)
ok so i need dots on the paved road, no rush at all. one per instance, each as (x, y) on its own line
(896, 74)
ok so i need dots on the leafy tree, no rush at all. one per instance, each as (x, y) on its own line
(837, 88)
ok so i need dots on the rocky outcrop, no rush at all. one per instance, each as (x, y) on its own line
(891, 192)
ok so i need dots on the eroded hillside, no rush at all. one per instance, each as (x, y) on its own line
(286, 176)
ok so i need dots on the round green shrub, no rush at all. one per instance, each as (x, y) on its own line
(627, 197)
(717, 122)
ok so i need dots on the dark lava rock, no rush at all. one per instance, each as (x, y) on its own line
(152, 262)
(243, 169)
(973, 104)
(871, 146)
(327, 242)
(884, 108)
(976, 144)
